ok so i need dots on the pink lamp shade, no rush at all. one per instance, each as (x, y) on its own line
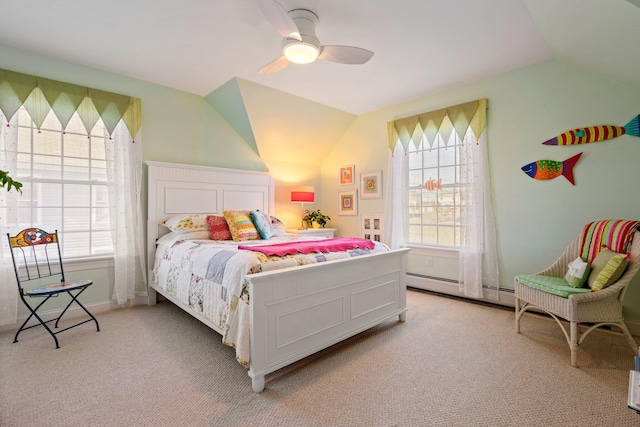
(303, 194)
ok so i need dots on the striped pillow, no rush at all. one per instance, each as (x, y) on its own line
(606, 268)
(241, 226)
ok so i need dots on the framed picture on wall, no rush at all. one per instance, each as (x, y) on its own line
(371, 185)
(348, 202)
(347, 174)
(371, 226)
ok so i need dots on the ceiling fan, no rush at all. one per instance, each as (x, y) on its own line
(300, 44)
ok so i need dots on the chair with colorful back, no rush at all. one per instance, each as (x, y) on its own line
(37, 259)
(587, 284)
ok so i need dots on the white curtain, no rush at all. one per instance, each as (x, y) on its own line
(125, 185)
(478, 257)
(8, 217)
(396, 206)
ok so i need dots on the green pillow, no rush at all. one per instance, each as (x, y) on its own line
(578, 273)
(606, 268)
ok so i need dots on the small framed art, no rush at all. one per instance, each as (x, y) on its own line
(372, 226)
(347, 174)
(371, 185)
(348, 202)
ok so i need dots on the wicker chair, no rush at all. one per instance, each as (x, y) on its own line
(599, 308)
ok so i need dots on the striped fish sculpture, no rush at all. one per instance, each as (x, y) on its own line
(596, 133)
(549, 169)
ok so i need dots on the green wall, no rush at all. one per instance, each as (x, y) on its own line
(536, 220)
(177, 127)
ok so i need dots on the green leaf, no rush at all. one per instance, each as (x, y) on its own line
(7, 181)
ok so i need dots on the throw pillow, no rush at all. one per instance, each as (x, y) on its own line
(218, 228)
(277, 227)
(241, 226)
(606, 268)
(578, 273)
(262, 223)
(185, 223)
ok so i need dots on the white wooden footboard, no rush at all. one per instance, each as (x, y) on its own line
(297, 312)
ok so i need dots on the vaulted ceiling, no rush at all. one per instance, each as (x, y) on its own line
(214, 48)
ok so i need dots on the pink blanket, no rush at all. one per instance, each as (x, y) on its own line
(305, 247)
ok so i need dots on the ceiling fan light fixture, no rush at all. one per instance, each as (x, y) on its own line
(301, 52)
(304, 47)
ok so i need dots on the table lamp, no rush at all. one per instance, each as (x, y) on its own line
(301, 195)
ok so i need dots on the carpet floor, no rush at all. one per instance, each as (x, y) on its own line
(452, 363)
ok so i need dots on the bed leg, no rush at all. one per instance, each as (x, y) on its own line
(257, 383)
(402, 316)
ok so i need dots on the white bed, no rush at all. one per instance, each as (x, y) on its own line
(294, 312)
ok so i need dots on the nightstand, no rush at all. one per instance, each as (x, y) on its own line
(322, 232)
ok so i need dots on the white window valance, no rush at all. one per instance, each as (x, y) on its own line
(427, 126)
(40, 95)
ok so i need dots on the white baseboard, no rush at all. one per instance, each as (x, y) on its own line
(74, 311)
(633, 326)
(504, 297)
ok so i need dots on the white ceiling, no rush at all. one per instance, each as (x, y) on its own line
(421, 46)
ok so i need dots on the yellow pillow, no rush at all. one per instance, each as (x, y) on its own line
(606, 268)
(241, 226)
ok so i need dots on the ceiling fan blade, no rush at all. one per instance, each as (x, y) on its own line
(345, 54)
(274, 66)
(279, 19)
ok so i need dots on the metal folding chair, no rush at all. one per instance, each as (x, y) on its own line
(36, 257)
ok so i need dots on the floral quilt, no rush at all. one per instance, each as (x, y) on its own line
(211, 278)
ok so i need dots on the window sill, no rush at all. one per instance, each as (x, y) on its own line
(80, 264)
(434, 251)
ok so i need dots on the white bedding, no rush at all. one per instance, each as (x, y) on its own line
(211, 278)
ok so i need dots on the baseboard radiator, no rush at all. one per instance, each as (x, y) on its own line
(450, 287)
(492, 295)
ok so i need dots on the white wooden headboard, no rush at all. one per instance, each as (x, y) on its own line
(177, 188)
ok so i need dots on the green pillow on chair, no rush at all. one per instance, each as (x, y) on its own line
(578, 273)
(606, 268)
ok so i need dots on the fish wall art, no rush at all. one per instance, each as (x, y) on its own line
(549, 169)
(432, 185)
(596, 133)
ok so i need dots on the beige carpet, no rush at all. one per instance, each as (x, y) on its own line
(453, 363)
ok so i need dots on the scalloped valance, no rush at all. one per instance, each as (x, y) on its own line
(427, 126)
(39, 96)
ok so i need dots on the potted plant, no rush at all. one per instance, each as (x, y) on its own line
(7, 181)
(315, 217)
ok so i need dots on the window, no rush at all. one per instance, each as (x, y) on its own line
(441, 193)
(437, 191)
(439, 177)
(77, 152)
(64, 176)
